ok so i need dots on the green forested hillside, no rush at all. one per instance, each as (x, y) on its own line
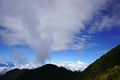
(107, 61)
(110, 74)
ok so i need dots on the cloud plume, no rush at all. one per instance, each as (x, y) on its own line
(45, 25)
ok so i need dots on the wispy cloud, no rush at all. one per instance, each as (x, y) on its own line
(102, 51)
(106, 18)
(46, 25)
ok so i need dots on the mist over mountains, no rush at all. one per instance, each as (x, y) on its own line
(73, 66)
(107, 67)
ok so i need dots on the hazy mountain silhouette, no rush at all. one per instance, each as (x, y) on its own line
(46, 72)
(105, 68)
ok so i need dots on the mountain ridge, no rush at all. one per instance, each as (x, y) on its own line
(107, 61)
(99, 70)
(48, 71)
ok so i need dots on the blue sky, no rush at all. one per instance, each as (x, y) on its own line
(103, 42)
(70, 32)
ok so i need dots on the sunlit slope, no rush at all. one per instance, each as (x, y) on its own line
(107, 61)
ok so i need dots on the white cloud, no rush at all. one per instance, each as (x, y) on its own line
(74, 66)
(45, 25)
(29, 65)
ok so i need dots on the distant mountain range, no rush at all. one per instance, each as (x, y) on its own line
(73, 66)
(46, 72)
(106, 67)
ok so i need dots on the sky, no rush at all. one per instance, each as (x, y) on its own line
(58, 30)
